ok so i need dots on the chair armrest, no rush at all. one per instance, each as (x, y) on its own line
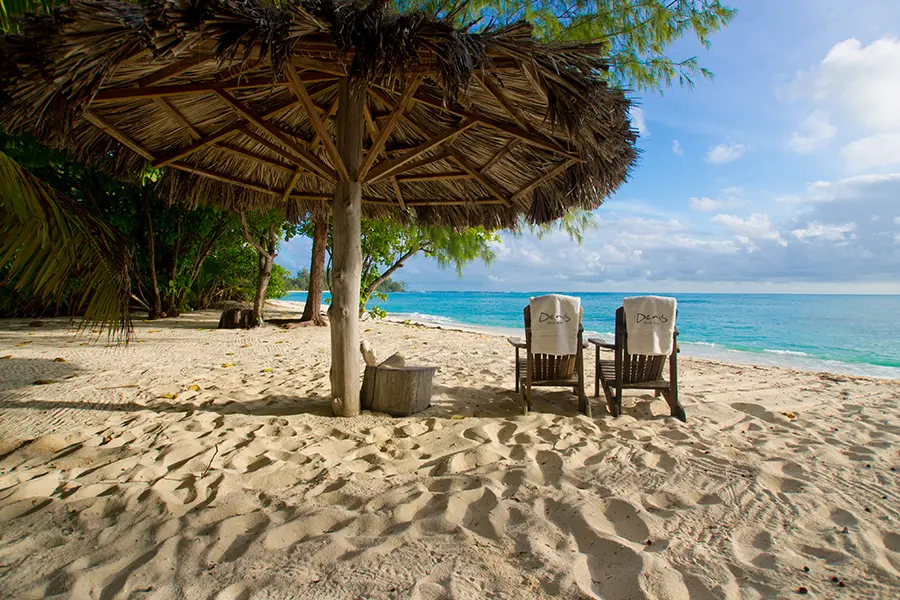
(517, 342)
(602, 343)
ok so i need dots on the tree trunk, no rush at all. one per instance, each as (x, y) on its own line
(172, 306)
(347, 253)
(265, 273)
(313, 311)
(155, 299)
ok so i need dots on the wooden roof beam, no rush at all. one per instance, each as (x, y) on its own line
(175, 68)
(312, 111)
(117, 135)
(290, 186)
(149, 91)
(210, 174)
(500, 96)
(543, 179)
(395, 165)
(177, 116)
(535, 139)
(398, 193)
(308, 159)
(305, 62)
(388, 128)
(214, 137)
(270, 146)
(493, 188)
(425, 177)
(507, 148)
(256, 157)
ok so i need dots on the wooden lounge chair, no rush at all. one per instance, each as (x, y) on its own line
(547, 370)
(635, 371)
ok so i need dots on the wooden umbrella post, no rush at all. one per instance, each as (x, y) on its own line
(343, 314)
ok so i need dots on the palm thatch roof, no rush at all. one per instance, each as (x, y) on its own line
(237, 97)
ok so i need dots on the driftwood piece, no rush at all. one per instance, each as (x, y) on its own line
(396, 389)
(236, 318)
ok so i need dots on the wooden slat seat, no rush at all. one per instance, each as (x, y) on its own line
(635, 371)
(547, 370)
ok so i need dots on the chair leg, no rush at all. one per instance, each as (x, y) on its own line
(524, 400)
(517, 370)
(597, 372)
(610, 400)
(677, 410)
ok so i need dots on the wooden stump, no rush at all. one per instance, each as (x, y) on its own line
(236, 318)
(396, 389)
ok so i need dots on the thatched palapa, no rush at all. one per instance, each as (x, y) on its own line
(313, 102)
(463, 128)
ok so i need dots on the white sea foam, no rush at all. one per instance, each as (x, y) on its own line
(785, 352)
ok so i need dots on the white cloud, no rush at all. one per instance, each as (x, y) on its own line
(725, 153)
(639, 121)
(830, 233)
(814, 132)
(729, 198)
(879, 150)
(862, 83)
(676, 148)
(757, 226)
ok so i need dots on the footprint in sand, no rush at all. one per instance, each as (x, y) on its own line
(626, 521)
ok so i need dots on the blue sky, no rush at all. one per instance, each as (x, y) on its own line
(783, 174)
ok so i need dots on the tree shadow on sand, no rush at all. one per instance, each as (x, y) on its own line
(18, 373)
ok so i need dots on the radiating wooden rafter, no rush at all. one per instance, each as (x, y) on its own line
(381, 139)
(309, 160)
(214, 137)
(394, 165)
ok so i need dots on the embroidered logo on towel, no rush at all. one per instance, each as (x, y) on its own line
(651, 319)
(559, 319)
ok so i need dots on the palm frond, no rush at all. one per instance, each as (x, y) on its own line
(52, 245)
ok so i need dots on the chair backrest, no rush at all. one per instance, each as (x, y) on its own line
(548, 367)
(636, 368)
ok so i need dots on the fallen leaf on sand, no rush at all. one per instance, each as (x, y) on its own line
(267, 370)
(276, 356)
(245, 346)
(59, 359)
(44, 382)
(154, 330)
(194, 388)
(229, 354)
(5, 357)
(458, 417)
(789, 415)
(169, 396)
(23, 343)
(226, 365)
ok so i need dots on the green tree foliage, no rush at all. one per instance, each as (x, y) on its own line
(51, 246)
(387, 245)
(299, 282)
(175, 272)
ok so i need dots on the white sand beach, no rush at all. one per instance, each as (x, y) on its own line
(198, 463)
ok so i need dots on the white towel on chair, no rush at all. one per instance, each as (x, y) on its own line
(650, 323)
(554, 324)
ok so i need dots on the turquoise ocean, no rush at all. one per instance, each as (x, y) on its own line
(851, 334)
